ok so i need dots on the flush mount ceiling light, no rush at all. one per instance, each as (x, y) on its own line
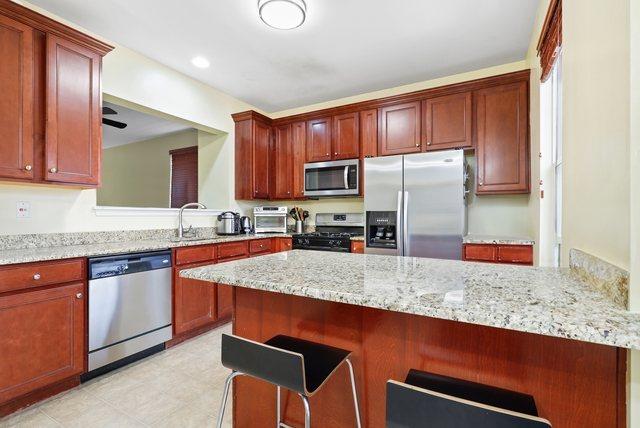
(200, 62)
(282, 14)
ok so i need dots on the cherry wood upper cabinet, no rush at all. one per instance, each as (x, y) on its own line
(74, 134)
(253, 160)
(282, 163)
(16, 101)
(42, 340)
(261, 146)
(298, 143)
(318, 147)
(369, 133)
(346, 136)
(447, 122)
(502, 146)
(399, 129)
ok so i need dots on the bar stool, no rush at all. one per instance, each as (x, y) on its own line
(298, 365)
(431, 400)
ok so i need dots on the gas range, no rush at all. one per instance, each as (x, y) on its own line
(333, 233)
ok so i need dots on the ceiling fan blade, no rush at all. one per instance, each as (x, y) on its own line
(108, 110)
(114, 123)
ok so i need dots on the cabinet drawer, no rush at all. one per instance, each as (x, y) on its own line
(522, 254)
(285, 244)
(485, 253)
(357, 247)
(195, 254)
(233, 250)
(260, 246)
(17, 277)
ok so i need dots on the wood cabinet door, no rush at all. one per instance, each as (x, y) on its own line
(16, 101)
(502, 147)
(283, 163)
(225, 300)
(261, 159)
(194, 302)
(243, 154)
(298, 144)
(42, 340)
(318, 145)
(399, 129)
(346, 136)
(447, 122)
(369, 133)
(74, 112)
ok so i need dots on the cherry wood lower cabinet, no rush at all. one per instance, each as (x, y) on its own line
(575, 384)
(42, 342)
(282, 244)
(194, 302)
(510, 254)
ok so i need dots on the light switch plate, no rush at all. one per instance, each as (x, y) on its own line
(23, 209)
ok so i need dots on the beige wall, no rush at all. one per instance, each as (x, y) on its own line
(497, 215)
(595, 62)
(139, 174)
(132, 77)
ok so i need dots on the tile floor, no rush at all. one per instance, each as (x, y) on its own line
(179, 387)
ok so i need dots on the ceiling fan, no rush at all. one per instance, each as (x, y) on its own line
(114, 123)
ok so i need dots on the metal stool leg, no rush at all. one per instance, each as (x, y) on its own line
(225, 394)
(277, 406)
(307, 411)
(355, 395)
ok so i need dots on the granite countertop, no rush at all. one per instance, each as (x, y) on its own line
(27, 255)
(497, 239)
(547, 301)
(357, 238)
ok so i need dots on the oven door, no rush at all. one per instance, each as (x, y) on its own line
(339, 178)
(270, 223)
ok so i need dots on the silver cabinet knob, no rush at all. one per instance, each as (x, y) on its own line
(36, 276)
(417, 144)
(336, 153)
(53, 170)
(480, 182)
(79, 296)
(327, 154)
(28, 167)
(428, 143)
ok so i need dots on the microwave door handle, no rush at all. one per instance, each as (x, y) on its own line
(346, 177)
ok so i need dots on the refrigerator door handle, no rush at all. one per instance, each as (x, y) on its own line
(405, 223)
(399, 230)
(346, 177)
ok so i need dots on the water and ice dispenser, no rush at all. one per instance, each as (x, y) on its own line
(382, 230)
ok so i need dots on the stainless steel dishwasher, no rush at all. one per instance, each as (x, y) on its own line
(129, 308)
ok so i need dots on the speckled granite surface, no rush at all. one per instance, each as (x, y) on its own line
(497, 239)
(357, 238)
(601, 275)
(547, 301)
(121, 244)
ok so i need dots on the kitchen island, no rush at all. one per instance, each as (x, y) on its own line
(539, 331)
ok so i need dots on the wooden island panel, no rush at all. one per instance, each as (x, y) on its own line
(575, 384)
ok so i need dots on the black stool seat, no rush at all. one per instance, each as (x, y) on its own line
(431, 400)
(319, 360)
(489, 395)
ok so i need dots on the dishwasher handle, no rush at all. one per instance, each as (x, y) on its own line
(104, 267)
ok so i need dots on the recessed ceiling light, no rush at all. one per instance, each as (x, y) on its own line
(282, 14)
(200, 62)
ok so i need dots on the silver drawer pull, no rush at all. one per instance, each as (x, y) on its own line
(36, 276)
(79, 296)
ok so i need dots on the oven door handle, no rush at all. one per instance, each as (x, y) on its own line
(346, 177)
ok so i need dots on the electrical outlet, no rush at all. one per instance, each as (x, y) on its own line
(23, 209)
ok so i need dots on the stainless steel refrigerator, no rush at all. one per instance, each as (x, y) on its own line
(415, 205)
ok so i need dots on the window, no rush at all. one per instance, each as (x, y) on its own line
(184, 176)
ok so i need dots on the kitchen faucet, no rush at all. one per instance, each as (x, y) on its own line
(180, 225)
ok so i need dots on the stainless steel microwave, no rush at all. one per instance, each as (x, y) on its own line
(337, 178)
